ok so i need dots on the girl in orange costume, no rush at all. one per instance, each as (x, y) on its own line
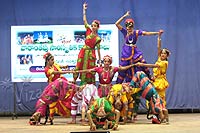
(54, 71)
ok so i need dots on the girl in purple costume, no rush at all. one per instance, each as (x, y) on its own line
(130, 53)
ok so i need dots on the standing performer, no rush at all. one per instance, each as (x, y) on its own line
(87, 56)
(54, 71)
(130, 53)
(106, 74)
(159, 70)
(54, 91)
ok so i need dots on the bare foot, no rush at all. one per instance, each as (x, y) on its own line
(92, 127)
(72, 122)
(84, 123)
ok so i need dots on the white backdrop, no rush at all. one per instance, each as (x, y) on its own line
(30, 43)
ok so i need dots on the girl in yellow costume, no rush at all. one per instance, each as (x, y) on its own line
(159, 70)
(120, 96)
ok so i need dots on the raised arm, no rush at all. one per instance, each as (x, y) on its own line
(159, 43)
(117, 23)
(84, 13)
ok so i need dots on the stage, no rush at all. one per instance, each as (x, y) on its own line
(179, 123)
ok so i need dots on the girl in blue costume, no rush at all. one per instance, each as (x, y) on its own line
(130, 53)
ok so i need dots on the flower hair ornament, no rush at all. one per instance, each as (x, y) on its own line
(167, 51)
(108, 57)
(47, 56)
(129, 22)
(96, 22)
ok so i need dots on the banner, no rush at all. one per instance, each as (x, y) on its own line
(30, 43)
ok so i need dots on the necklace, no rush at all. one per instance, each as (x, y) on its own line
(130, 40)
(105, 75)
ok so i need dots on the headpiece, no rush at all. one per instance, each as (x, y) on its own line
(167, 51)
(96, 22)
(108, 57)
(47, 56)
(129, 22)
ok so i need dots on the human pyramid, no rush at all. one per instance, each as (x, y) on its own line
(107, 105)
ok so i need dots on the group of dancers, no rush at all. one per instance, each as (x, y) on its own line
(108, 104)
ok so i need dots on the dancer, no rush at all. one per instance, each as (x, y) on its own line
(130, 53)
(106, 74)
(87, 57)
(102, 114)
(120, 96)
(149, 92)
(54, 71)
(54, 91)
(159, 71)
(85, 97)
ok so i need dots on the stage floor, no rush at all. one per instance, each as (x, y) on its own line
(179, 123)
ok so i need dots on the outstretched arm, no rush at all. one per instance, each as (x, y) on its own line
(117, 23)
(146, 33)
(84, 13)
(65, 67)
(146, 65)
(84, 71)
(122, 68)
(62, 72)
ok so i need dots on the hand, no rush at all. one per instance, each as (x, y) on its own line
(81, 88)
(85, 6)
(66, 67)
(127, 14)
(138, 64)
(115, 127)
(73, 71)
(160, 32)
